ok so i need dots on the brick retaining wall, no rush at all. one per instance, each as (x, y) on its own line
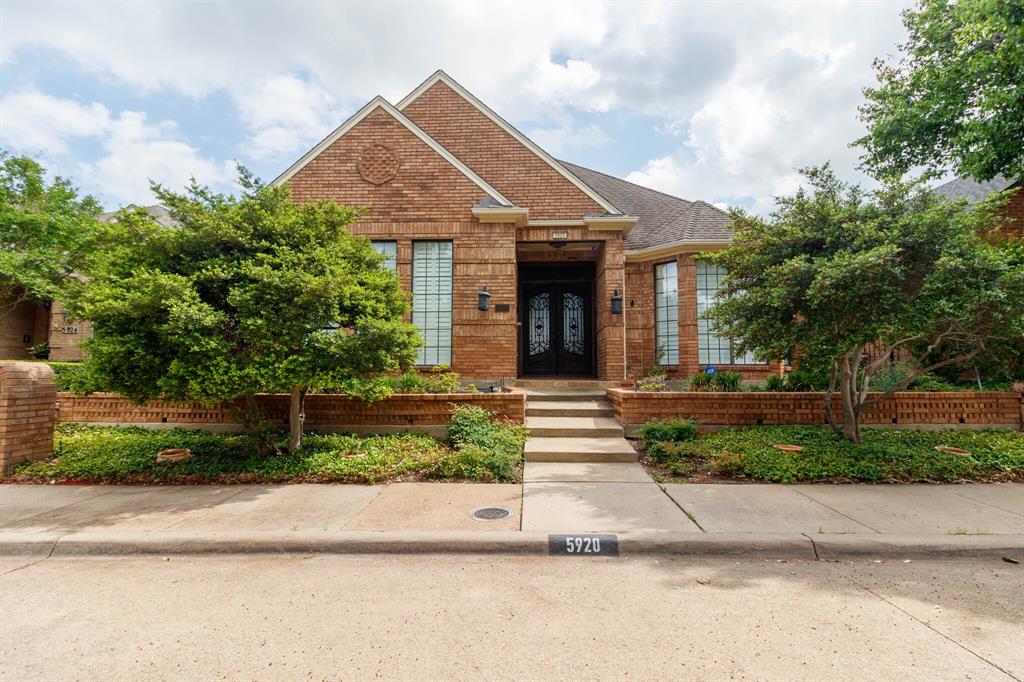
(329, 412)
(27, 400)
(966, 409)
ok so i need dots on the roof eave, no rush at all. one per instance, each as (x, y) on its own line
(677, 247)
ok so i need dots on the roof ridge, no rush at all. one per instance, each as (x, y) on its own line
(628, 182)
(711, 206)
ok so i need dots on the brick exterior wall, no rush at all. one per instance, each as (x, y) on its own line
(640, 337)
(428, 198)
(960, 409)
(17, 321)
(496, 156)
(1014, 212)
(322, 411)
(67, 335)
(28, 396)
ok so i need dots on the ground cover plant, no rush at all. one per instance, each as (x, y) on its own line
(481, 450)
(884, 455)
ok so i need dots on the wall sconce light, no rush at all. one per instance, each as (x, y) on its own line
(483, 300)
(616, 303)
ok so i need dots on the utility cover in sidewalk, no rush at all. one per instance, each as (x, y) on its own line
(491, 513)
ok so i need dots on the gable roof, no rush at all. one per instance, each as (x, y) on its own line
(965, 188)
(662, 218)
(381, 103)
(441, 76)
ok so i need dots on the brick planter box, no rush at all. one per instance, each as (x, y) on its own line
(966, 409)
(400, 412)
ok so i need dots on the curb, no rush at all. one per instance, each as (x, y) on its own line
(825, 547)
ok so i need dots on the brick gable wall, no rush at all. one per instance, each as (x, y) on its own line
(428, 198)
(497, 157)
(425, 186)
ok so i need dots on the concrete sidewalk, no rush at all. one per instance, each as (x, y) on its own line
(620, 499)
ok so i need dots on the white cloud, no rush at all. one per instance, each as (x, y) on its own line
(136, 151)
(38, 123)
(133, 150)
(285, 115)
(750, 91)
(569, 137)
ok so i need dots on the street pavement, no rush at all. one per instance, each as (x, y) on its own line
(465, 617)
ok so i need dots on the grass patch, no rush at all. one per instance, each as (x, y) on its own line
(884, 456)
(105, 454)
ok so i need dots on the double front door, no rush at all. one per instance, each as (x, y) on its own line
(557, 330)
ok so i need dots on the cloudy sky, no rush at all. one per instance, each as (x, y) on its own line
(714, 101)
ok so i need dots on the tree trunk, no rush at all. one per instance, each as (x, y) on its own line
(850, 395)
(296, 417)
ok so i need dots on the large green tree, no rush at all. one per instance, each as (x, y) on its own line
(46, 229)
(851, 279)
(954, 98)
(246, 294)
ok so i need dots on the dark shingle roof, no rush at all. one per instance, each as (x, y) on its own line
(663, 218)
(964, 188)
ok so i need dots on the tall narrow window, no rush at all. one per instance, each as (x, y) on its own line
(713, 349)
(432, 300)
(666, 313)
(389, 250)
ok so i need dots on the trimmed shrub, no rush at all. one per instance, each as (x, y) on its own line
(669, 430)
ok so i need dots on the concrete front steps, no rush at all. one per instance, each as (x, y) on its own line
(569, 408)
(573, 424)
(591, 450)
(574, 427)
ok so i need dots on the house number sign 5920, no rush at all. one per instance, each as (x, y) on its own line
(583, 545)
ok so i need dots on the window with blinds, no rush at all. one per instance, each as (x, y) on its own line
(389, 250)
(432, 300)
(713, 349)
(666, 313)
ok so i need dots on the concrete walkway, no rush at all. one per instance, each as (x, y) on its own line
(556, 498)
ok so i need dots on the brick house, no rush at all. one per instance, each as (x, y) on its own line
(585, 275)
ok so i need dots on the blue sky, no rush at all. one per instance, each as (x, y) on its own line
(713, 101)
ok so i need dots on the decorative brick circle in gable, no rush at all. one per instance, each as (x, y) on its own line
(378, 164)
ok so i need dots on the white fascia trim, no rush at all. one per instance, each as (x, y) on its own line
(508, 128)
(379, 102)
(624, 223)
(672, 248)
(518, 216)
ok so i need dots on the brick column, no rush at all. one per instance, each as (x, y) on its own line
(28, 410)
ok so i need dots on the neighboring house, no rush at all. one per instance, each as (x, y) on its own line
(29, 324)
(584, 275)
(972, 191)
